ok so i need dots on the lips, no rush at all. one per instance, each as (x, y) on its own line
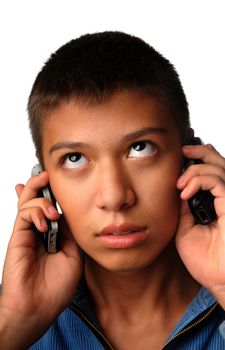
(122, 236)
(124, 229)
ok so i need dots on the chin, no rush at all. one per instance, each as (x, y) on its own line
(118, 263)
(130, 260)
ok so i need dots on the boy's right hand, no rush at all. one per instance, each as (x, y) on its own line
(36, 286)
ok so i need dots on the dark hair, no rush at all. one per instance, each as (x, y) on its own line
(94, 66)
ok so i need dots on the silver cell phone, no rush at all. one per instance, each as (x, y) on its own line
(49, 238)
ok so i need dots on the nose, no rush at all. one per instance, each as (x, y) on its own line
(114, 189)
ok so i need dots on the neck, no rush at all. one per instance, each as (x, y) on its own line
(162, 287)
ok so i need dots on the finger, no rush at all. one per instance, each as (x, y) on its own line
(208, 154)
(19, 189)
(33, 185)
(211, 147)
(48, 208)
(28, 217)
(24, 233)
(211, 183)
(199, 170)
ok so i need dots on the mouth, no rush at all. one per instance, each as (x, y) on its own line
(121, 230)
(122, 236)
(125, 232)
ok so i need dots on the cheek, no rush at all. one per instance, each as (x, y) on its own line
(162, 201)
(75, 213)
(72, 200)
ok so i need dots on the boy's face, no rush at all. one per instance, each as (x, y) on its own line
(113, 169)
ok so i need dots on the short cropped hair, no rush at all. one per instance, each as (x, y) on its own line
(93, 66)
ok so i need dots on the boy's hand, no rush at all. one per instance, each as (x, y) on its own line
(202, 247)
(36, 285)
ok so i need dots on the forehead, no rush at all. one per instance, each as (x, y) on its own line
(121, 113)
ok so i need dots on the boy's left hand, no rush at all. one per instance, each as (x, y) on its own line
(202, 247)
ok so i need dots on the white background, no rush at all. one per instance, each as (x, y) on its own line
(189, 33)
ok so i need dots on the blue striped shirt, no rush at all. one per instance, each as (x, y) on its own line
(198, 329)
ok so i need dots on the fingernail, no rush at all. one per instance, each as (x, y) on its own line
(188, 146)
(184, 192)
(210, 146)
(52, 210)
(180, 180)
(44, 224)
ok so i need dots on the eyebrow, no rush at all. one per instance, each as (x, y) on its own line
(70, 145)
(145, 131)
(129, 137)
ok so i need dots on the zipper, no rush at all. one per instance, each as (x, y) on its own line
(95, 330)
(108, 346)
(190, 326)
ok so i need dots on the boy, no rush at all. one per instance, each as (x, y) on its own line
(109, 120)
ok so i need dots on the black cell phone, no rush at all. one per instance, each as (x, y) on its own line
(202, 203)
(51, 237)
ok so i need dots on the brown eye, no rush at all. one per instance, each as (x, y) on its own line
(74, 161)
(142, 149)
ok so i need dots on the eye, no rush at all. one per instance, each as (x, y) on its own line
(142, 149)
(74, 161)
